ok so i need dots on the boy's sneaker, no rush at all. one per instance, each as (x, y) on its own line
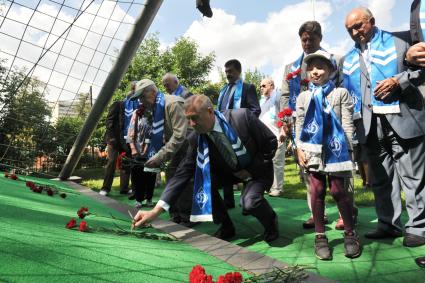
(321, 248)
(352, 246)
(103, 192)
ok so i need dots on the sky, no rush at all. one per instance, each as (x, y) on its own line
(262, 34)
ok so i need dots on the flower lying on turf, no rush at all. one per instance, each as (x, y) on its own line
(13, 177)
(71, 224)
(83, 226)
(198, 275)
(83, 212)
(49, 192)
(63, 195)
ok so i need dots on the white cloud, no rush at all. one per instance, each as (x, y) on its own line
(381, 10)
(271, 43)
(83, 73)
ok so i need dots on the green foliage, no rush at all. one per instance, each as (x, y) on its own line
(254, 77)
(23, 119)
(182, 59)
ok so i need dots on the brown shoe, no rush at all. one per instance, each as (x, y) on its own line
(309, 223)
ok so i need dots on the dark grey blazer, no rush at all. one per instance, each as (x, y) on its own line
(410, 122)
(258, 140)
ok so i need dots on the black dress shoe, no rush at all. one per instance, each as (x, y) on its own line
(420, 261)
(411, 240)
(132, 197)
(272, 233)
(225, 232)
(381, 234)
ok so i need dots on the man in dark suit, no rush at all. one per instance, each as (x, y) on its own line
(234, 95)
(117, 123)
(260, 144)
(392, 125)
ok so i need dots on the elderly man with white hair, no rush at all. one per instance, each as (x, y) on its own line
(173, 87)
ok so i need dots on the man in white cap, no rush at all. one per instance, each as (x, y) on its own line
(164, 117)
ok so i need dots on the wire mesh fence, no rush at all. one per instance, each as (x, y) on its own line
(54, 57)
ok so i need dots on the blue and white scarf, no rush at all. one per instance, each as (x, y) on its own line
(201, 201)
(157, 132)
(236, 96)
(295, 84)
(129, 107)
(322, 132)
(179, 90)
(383, 64)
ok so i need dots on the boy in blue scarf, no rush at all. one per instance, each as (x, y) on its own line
(323, 134)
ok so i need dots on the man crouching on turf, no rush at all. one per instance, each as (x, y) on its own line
(226, 148)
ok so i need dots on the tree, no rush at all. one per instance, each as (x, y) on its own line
(24, 117)
(183, 59)
(254, 77)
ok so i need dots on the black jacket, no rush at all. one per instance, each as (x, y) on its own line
(114, 125)
(249, 99)
(258, 140)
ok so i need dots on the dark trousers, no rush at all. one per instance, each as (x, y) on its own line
(143, 183)
(110, 171)
(228, 196)
(180, 211)
(395, 164)
(252, 202)
(341, 196)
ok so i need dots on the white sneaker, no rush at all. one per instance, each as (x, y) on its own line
(138, 205)
(275, 193)
(103, 193)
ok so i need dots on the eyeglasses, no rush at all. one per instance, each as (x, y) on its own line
(262, 86)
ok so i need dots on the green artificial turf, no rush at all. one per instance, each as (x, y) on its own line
(381, 261)
(36, 247)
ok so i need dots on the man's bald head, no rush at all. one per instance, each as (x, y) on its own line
(360, 23)
(199, 110)
(266, 86)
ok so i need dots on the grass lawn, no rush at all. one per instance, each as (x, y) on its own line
(293, 188)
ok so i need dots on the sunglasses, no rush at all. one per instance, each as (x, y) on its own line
(262, 86)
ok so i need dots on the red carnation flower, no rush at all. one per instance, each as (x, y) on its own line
(83, 227)
(197, 275)
(49, 192)
(280, 115)
(83, 212)
(279, 124)
(237, 277)
(62, 195)
(305, 82)
(13, 177)
(287, 112)
(293, 74)
(222, 279)
(71, 224)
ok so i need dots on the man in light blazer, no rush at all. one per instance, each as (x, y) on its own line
(391, 124)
